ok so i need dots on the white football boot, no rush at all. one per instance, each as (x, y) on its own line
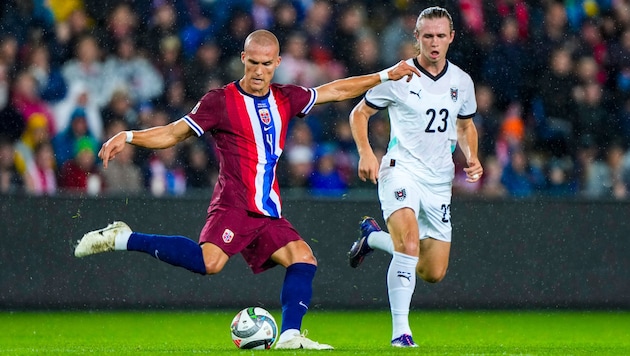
(302, 342)
(102, 240)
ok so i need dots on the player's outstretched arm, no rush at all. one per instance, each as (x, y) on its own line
(348, 88)
(467, 139)
(368, 163)
(154, 138)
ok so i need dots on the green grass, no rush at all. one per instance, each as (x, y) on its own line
(352, 333)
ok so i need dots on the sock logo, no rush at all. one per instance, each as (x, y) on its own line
(156, 254)
(228, 235)
(405, 278)
(303, 304)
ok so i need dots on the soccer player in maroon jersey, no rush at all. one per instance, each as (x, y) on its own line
(248, 119)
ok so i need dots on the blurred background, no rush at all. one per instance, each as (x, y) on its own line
(552, 84)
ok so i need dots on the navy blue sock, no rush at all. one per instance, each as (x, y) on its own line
(175, 250)
(296, 294)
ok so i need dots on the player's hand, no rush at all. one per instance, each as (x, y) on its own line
(112, 147)
(402, 69)
(474, 171)
(368, 167)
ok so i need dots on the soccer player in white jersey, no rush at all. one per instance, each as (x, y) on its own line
(429, 116)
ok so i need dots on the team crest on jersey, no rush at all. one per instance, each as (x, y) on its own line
(400, 194)
(265, 117)
(228, 235)
(454, 93)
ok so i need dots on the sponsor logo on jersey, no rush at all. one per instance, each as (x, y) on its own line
(454, 94)
(228, 235)
(265, 117)
(400, 194)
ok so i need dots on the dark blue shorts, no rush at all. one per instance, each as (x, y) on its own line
(256, 237)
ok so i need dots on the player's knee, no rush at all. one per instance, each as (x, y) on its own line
(214, 267)
(307, 258)
(432, 275)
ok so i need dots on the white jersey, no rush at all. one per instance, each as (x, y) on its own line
(422, 115)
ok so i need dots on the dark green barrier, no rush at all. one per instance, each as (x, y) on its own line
(505, 254)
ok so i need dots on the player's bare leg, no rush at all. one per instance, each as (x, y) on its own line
(433, 263)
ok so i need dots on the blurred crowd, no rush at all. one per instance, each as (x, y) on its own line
(552, 84)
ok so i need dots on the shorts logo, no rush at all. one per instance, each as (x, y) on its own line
(265, 117)
(454, 93)
(400, 194)
(228, 235)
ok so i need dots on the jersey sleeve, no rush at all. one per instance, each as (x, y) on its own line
(381, 96)
(205, 115)
(469, 108)
(301, 99)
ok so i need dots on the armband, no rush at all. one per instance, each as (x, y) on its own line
(129, 137)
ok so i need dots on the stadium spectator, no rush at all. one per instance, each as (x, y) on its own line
(365, 55)
(35, 133)
(326, 180)
(120, 24)
(126, 70)
(553, 105)
(11, 181)
(120, 107)
(123, 176)
(297, 68)
(491, 185)
(81, 173)
(520, 177)
(28, 102)
(41, 177)
(65, 142)
(86, 71)
(201, 71)
(201, 169)
(606, 176)
(560, 182)
(487, 120)
(503, 66)
(285, 20)
(164, 174)
(396, 34)
(50, 83)
(11, 122)
(164, 25)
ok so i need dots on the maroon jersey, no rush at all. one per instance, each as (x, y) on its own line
(250, 133)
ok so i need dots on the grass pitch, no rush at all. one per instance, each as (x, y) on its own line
(351, 332)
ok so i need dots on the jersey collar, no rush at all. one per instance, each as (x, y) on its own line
(429, 75)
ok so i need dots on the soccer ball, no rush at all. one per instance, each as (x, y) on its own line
(254, 328)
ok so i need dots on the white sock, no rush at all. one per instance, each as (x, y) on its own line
(288, 335)
(381, 240)
(401, 282)
(120, 243)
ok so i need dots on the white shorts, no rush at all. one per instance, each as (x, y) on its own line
(399, 188)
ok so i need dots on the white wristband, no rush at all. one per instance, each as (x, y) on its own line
(129, 135)
(383, 75)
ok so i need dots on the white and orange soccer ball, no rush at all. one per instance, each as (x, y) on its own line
(254, 328)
